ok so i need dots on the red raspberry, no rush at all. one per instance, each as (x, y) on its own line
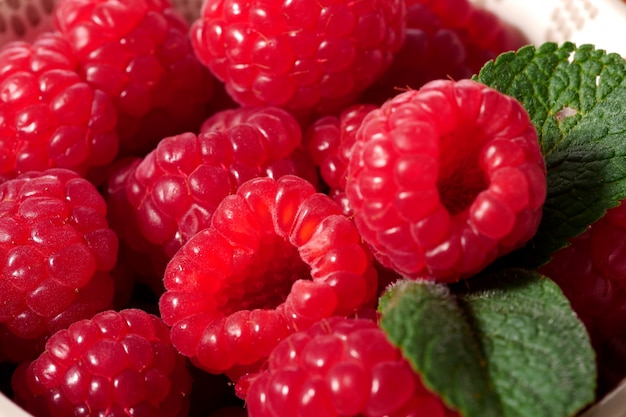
(445, 179)
(50, 116)
(114, 364)
(300, 55)
(341, 367)
(139, 53)
(57, 251)
(277, 257)
(158, 203)
(329, 141)
(591, 271)
(444, 39)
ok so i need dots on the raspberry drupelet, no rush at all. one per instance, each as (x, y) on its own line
(591, 273)
(445, 179)
(50, 117)
(57, 252)
(329, 141)
(305, 56)
(340, 367)
(277, 257)
(118, 364)
(158, 203)
(444, 39)
(139, 53)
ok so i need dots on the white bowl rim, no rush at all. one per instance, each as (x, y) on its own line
(9, 409)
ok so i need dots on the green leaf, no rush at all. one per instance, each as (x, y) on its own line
(509, 346)
(576, 98)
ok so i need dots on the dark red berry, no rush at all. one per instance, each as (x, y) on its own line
(444, 39)
(57, 251)
(591, 271)
(114, 364)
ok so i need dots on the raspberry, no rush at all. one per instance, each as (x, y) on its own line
(329, 141)
(591, 274)
(50, 116)
(300, 55)
(590, 271)
(443, 44)
(340, 367)
(160, 202)
(114, 364)
(239, 286)
(139, 53)
(57, 252)
(445, 179)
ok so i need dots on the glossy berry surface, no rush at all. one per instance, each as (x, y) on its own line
(445, 179)
(139, 53)
(50, 117)
(113, 364)
(256, 269)
(329, 141)
(301, 55)
(238, 287)
(590, 271)
(444, 39)
(57, 252)
(158, 203)
(340, 367)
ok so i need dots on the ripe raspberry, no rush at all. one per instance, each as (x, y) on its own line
(139, 53)
(300, 55)
(160, 202)
(114, 364)
(50, 116)
(277, 257)
(57, 251)
(445, 179)
(329, 141)
(444, 39)
(340, 367)
(591, 274)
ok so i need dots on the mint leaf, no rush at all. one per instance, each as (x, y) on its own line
(576, 98)
(509, 346)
